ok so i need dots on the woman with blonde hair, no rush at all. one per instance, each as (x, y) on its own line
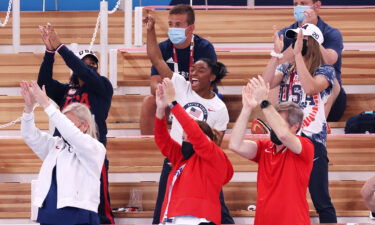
(306, 80)
(68, 184)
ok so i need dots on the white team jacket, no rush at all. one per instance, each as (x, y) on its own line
(78, 166)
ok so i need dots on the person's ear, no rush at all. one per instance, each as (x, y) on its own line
(192, 27)
(212, 77)
(85, 127)
(295, 128)
(190, 30)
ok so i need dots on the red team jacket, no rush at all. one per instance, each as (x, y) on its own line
(282, 183)
(196, 191)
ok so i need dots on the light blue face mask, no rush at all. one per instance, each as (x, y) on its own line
(299, 12)
(176, 35)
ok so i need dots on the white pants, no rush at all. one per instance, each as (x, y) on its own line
(188, 220)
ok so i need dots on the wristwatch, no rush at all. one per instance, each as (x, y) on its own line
(264, 104)
(173, 104)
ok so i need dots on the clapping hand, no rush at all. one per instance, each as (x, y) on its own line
(259, 89)
(39, 95)
(49, 37)
(169, 90)
(27, 97)
(53, 37)
(45, 38)
(32, 94)
(310, 16)
(161, 100)
(164, 92)
(248, 100)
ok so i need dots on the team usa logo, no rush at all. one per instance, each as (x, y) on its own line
(73, 95)
(196, 110)
(72, 91)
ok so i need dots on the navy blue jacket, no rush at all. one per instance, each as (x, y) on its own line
(96, 92)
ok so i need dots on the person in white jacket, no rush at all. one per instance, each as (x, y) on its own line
(68, 185)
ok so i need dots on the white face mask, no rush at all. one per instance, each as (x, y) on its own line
(177, 35)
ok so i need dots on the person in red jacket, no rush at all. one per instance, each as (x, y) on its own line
(200, 167)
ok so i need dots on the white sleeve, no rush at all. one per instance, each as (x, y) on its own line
(180, 84)
(40, 142)
(86, 147)
(222, 120)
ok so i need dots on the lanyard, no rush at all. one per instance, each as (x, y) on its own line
(191, 59)
(176, 175)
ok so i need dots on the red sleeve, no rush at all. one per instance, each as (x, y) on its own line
(260, 145)
(203, 146)
(229, 169)
(169, 147)
(307, 153)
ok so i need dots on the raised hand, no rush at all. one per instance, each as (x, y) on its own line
(278, 41)
(169, 90)
(53, 36)
(161, 100)
(259, 89)
(45, 38)
(248, 100)
(30, 102)
(39, 95)
(149, 22)
(310, 17)
(299, 43)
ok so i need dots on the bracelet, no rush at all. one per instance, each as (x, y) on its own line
(274, 54)
(50, 51)
(58, 48)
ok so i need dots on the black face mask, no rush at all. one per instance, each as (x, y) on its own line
(93, 68)
(274, 138)
(74, 80)
(187, 150)
(304, 46)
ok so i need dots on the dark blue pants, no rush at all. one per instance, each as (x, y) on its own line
(104, 209)
(338, 107)
(225, 216)
(318, 186)
(49, 214)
